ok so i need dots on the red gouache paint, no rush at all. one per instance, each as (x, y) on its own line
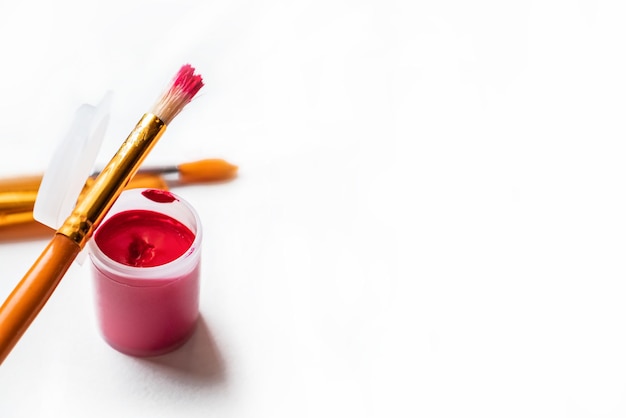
(142, 238)
(157, 195)
(146, 265)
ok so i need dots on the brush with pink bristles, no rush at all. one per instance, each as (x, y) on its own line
(32, 292)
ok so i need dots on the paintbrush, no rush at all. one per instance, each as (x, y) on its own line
(17, 195)
(209, 169)
(20, 193)
(33, 291)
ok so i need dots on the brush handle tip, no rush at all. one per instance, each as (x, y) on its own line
(31, 294)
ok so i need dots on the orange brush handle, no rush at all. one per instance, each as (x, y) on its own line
(21, 212)
(33, 291)
(206, 170)
(20, 184)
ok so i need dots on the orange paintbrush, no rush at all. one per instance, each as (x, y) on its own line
(18, 195)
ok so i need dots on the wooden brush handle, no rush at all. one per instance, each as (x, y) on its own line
(33, 291)
(206, 170)
(20, 184)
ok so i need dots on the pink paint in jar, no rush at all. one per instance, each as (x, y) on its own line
(146, 268)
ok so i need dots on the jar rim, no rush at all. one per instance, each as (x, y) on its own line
(164, 273)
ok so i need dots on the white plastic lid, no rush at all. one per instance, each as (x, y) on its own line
(72, 164)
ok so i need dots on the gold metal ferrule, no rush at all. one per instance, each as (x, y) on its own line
(98, 197)
(16, 201)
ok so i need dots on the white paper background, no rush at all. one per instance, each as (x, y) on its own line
(428, 220)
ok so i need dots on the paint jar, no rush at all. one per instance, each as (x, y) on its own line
(146, 269)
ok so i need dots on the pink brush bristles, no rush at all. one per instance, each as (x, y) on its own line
(183, 88)
(187, 81)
